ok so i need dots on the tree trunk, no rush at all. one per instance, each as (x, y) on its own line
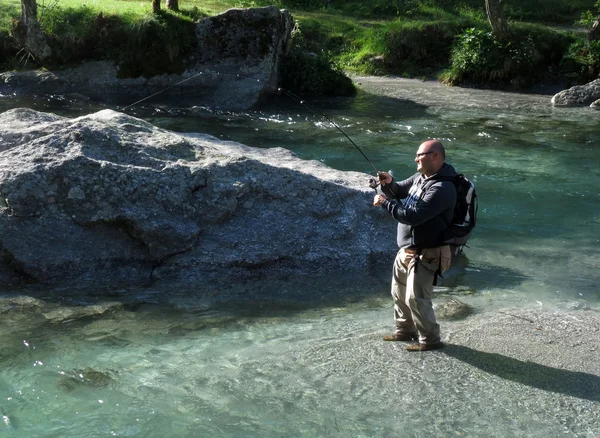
(155, 6)
(28, 33)
(496, 18)
(594, 32)
(173, 5)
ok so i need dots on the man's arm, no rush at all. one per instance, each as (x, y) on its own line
(393, 189)
(439, 197)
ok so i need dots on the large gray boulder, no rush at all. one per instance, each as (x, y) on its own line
(578, 95)
(110, 198)
(237, 65)
(246, 45)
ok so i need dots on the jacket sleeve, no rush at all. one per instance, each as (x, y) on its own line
(440, 197)
(398, 190)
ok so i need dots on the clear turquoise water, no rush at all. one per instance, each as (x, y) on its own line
(304, 360)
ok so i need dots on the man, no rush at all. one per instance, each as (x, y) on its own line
(425, 212)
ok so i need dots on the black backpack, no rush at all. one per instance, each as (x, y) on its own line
(465, 213)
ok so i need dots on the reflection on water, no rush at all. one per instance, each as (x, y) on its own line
(305, 360)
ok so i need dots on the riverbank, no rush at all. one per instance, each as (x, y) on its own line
(447, 40)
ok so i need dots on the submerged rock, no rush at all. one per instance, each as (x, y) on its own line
(20, 303)
(109, 198)
(88, 377)
(452, 309)
(64, 314)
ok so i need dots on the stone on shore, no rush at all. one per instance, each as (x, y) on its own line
(579, 95)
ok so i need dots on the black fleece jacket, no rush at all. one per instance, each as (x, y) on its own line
(422, 215)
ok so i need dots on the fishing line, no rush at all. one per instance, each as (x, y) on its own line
(279, 89)
(162, 91)
(319, 113)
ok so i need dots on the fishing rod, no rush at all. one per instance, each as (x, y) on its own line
(372, 182)
(335, 125)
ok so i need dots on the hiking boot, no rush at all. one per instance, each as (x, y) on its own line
(425, 347)
(400, 337)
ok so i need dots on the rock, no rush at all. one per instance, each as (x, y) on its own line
(21, 303)
(452, 309)
(64, 314)
(237, 64)
(251, 41)
(110, 199)
(87, 377)
(578, 95)
(595, 104)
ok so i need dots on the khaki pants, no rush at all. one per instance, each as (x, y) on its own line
(412, 287)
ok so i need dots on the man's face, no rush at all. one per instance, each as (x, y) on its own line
(424, 159)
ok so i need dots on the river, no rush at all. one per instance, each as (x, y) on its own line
(182, 363)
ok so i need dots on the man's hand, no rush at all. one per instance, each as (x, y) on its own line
(378, 200)
(384, 178)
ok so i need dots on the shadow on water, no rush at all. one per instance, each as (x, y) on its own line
(189, 308)
(362, 105)
(570, 383)
(464, 274)
(195, 306)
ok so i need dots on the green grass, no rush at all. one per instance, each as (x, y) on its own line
(402, 37)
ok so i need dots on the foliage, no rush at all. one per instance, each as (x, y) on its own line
(583, 60)
(70, 31)
(160, 43)
(309, 70)
(477, 57)
(406, 37)
(588, 17)
(545, 11)
(421, 44)
(154, 44)
(583, 57)
(549, 11)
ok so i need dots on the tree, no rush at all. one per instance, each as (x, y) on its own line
(594, 32)
(155, 6)
(28, 32)
(173, 5)
(495, 14)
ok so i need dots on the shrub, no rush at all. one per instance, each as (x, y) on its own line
(526, 57)
(583, 61)
(158, 44)
(7, 49)
(155, 44)
(420, 45)
(310, 71)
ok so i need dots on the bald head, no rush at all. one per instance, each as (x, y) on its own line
(434, 146)
(430, 157)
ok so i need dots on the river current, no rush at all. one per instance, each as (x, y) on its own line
(297, 363)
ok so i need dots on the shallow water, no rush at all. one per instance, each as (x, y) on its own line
(304, 359)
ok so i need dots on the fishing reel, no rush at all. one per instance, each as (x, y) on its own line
(376, 182)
